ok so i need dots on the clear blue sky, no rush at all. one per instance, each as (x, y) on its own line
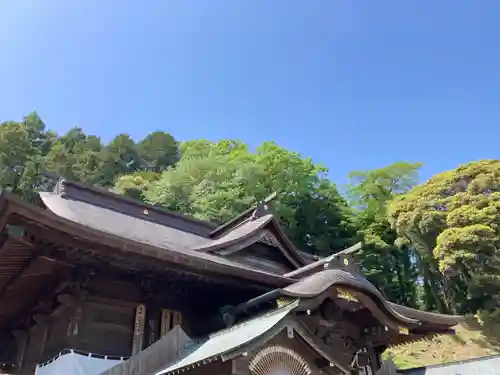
(353, 84)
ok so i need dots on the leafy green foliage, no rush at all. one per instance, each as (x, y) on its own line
(75, 156)
(388, 266)
(134, 185)
(453, 220)
(432, 245)
(27, 149)
(158, 151)
(217, 181)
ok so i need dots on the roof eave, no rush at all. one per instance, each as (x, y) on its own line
(91, 235)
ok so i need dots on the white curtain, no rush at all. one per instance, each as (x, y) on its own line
(76, 364)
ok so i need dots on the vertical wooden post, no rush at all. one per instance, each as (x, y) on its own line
(165, 322)
(153, 326)
(177, 320)
(138, 339)
(376, 358)
(21, 338)
(43, 322)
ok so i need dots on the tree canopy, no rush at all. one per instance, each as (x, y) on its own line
(216, 181)
(431, 245)
(452, 221)
(384, 263)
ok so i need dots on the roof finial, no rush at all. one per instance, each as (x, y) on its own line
(262, 208)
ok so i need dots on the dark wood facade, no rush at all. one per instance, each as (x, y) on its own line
(81, 272)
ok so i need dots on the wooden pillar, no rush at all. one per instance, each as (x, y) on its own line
(21, 338)
(72, 307)
(37, 337)
(376, 358)
(44, 324)
(139, 325)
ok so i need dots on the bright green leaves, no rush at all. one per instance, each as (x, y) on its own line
(216, 181)
(453, 220)
(385, 264)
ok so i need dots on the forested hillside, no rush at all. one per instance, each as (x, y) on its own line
(431, 246)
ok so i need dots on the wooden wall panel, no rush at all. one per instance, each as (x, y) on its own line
(106, 329)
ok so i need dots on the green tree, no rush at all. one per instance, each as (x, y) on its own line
(119, 157)
(134, 185)
(75, 156)
(15, 151)
(158, 151)
(453, 221)
(41, 139)
(217, 181)
(390, 267)
(22, 147)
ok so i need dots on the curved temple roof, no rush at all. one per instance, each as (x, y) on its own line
(321, 284)
(106, 218)
(174, 229)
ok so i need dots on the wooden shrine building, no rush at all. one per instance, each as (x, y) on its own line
(98, 273)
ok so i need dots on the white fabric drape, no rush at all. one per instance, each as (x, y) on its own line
(76, 364)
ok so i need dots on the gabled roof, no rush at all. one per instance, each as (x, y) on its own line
(252, 226)
(130, 235)
(217, 232)
(104, 198)
(253, 229)
(77, 202)
(320, 283)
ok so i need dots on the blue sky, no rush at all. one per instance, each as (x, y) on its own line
(352, 84)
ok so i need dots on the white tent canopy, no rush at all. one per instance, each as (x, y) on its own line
(72, 363)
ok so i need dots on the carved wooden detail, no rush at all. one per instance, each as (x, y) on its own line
(278, 360)
(335, 327)
(269, 240)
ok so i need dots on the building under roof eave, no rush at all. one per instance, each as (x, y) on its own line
(99, 216)
(117, 228)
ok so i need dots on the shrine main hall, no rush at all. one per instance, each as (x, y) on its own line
(96, 283)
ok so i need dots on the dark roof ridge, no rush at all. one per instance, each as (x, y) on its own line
(237, 220)
(319, 283)
(240, 233)
(98, 196)
(258, 220)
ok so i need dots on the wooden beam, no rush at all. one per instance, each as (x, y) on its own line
(37, 276)
(127, 249)
(60, 262)
(99, 256)
(5, 211)
(10, 247)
